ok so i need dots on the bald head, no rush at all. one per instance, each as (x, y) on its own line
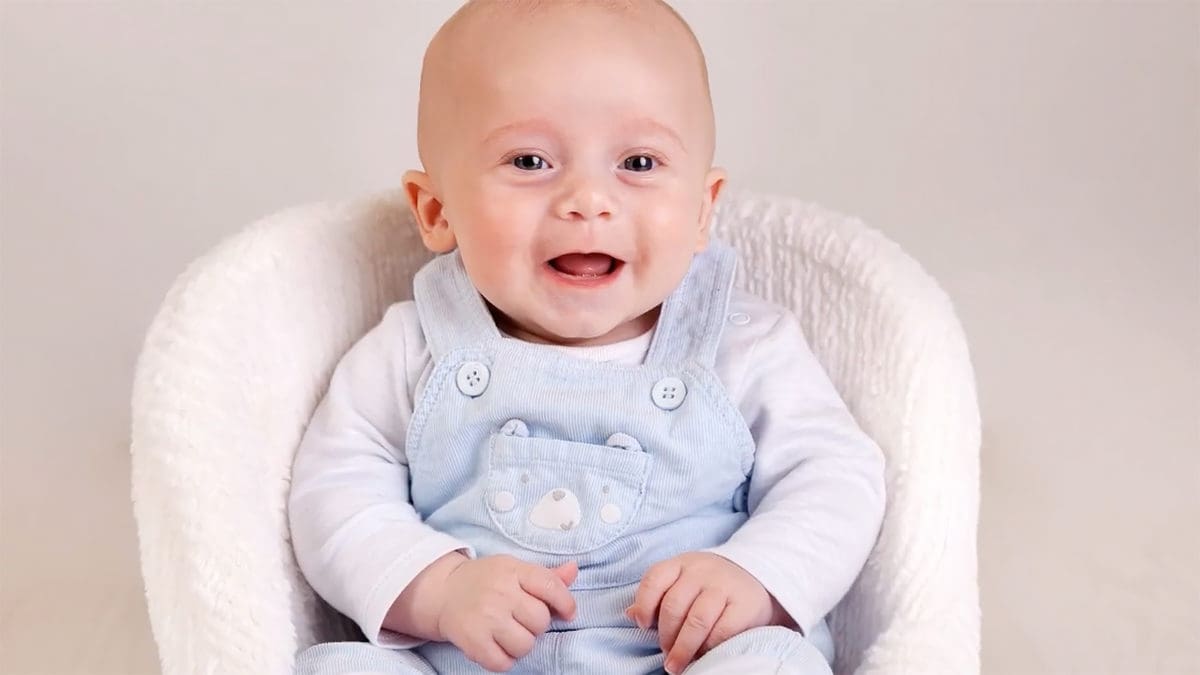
(470, 53)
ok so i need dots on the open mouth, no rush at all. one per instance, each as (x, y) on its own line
(585, 266)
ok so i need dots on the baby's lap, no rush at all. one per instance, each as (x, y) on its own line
(344, 658)
(771, 649)
(767, 649)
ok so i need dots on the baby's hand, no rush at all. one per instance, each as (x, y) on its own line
(496, 606)
(701, 600)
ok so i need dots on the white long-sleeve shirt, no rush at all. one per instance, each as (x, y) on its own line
(816, 493)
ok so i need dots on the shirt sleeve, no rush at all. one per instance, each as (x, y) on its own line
(816, 495)
(358, 539)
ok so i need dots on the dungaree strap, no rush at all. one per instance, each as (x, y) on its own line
(452, 312)
(692, 317)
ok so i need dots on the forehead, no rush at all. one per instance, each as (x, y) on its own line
(580, 67)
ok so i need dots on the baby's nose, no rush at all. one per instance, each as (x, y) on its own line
(586, 198)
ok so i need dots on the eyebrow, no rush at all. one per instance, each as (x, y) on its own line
(654, 126)
(542, 125)
(537, 125)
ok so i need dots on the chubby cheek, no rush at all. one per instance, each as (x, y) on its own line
(669, 238)
(669, 224)
(495, 224)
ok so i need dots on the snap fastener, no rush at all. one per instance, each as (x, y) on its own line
(668, 393)
(739, 318)
(623, 441)
(515, 428)
(473, 378)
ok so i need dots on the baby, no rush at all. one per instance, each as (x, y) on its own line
(578, 449)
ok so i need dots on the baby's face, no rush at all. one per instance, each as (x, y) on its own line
(573, 171)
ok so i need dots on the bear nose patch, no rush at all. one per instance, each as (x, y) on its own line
(558, 509)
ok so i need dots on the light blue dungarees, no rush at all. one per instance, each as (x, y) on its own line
(528, 451)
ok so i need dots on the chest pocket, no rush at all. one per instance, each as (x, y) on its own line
(563, 497)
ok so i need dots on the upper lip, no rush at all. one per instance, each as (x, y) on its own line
(582, 252)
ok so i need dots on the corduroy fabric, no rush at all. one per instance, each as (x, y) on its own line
(489, 467)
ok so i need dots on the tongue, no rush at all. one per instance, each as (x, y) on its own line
(583, 264)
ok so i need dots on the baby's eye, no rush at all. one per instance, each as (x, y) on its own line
(639, 163)
(529, 162)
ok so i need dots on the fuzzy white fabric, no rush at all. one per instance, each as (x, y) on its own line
(243, 346)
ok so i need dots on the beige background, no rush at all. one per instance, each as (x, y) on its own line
(1041, 159)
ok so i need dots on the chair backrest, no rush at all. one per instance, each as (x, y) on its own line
(889, 339)
(244, 344)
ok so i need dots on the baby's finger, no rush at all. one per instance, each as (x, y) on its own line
(489, 654)
(533, 614)
(514, 639)
(675, 607)
(654, 584)
(567, 572)
(705, 612)
(726, 627)
(545, 585)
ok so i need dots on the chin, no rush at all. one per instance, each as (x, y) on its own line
(575, 331)
(583, 333)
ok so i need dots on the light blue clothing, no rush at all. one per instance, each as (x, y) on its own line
(547, 457)
(759, 651)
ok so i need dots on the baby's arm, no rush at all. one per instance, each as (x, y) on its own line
(363, 547)
(356, 535)
(816, 496)
(816, 502)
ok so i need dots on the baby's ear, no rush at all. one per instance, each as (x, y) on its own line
(714, 181)
(427, 210)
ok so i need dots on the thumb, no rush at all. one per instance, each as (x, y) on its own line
(567, 572)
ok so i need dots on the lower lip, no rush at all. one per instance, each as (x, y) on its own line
(584, 282)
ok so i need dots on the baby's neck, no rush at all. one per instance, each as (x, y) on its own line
(626, 331)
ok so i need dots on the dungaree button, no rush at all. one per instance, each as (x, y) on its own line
(739, 318)
(473, 378)
(668, 393)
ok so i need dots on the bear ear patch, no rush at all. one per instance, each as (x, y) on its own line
(623, 441)
(558, 509)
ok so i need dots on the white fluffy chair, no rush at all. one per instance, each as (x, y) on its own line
(245, 341)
